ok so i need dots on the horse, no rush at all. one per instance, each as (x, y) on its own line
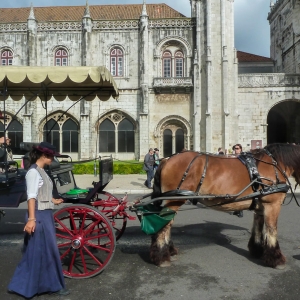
(224, 183)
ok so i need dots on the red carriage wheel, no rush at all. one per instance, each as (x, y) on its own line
(114, 210)
(85, 240)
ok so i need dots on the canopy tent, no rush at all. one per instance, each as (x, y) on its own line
(57, 82)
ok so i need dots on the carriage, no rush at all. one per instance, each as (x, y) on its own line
(92, 219)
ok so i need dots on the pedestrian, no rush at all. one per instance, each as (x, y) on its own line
(220, 151)
(148, 167)
(156, 159)
(40, 269)
(238, 149)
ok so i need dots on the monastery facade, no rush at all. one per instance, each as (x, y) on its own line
(182, 83)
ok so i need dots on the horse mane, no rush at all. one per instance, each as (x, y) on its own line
(287, 154)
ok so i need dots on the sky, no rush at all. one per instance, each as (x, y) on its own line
(252, 31)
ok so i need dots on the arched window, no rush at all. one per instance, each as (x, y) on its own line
(107, 141)
(179, 64)
(179, 137)
(167, 64)
(15, 133)
(6, 58)
(116, 62)
(51, 133)
(61, 57)
(125, 136)
(70, 136)
(167, 142)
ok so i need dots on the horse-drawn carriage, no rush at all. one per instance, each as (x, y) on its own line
(88, 228)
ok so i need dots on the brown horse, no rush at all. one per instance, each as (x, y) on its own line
(223, 183)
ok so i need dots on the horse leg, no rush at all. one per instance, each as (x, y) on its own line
(272, 253)
(256, 242)
(162, 248)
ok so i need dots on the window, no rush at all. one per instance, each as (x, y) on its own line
(107, 141)
(6, 58)
(61, 57)
(70, 136)
(179, 140)
(167, 143)
(51, 133)
(125, 136)
(15, 133)
(167, 64)
(179, 64)
(116, 62)
(63, 135)
(116, 134)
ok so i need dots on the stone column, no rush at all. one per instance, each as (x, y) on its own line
(145, 131)
(31, 39)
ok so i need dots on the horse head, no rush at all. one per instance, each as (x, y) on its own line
(287, 157)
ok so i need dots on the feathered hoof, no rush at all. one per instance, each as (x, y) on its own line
(280, 267)
(165, 264)
(173, 258)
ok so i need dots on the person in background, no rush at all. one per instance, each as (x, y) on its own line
(148, 167)
(237, 150)
(40, 269)
(220, 151)
(156, 159)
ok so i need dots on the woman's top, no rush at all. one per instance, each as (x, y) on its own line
(39, 186)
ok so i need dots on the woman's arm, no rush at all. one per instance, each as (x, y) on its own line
(30, 225)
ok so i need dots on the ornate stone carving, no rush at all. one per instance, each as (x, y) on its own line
(13, 27)
(172, 82)
(60, 26)
(268, 80)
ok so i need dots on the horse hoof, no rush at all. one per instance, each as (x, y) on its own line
(165, 264)
(173, 258)
(280, 267)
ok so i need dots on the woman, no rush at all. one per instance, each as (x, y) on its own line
(238, 149)
(40, 269)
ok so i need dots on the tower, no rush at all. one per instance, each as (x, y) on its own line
(215, 73)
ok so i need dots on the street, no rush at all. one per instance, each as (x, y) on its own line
(213, 260)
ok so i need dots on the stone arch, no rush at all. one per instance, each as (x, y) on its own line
(173, 122)
(56, 115)
(185, 45)
(121, 113)
(283, 122)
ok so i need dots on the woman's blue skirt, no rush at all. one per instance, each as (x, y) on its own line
(40, 269)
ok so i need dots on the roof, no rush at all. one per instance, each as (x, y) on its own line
(248, 57)
(74, 82)
(98, 12)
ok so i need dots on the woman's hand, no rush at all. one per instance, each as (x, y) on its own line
(57, 201)
(30, 226)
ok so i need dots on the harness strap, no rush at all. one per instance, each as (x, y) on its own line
(203, 175)
(274, 163)
(187, 171)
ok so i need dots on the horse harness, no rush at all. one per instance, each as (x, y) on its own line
(259, 188)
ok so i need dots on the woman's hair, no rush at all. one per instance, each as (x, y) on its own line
(34, 155)
(239, 145)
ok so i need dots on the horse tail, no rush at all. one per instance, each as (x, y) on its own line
(157, 179)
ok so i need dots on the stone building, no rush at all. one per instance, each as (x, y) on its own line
(182, 83)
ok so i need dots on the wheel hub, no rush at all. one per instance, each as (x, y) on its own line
(76, 243)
